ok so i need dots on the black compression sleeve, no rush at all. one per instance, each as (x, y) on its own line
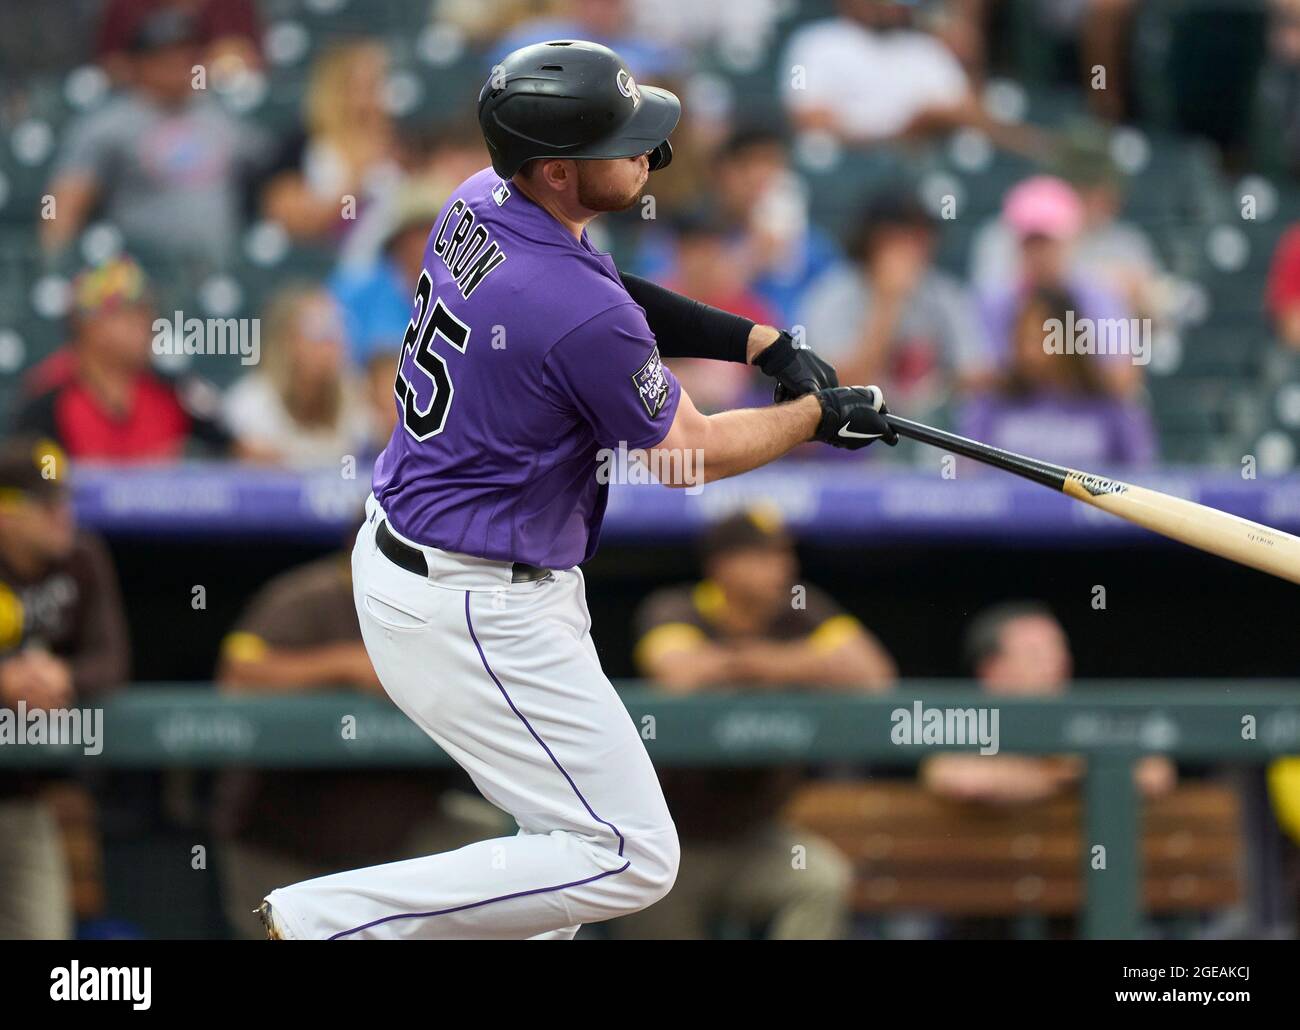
(687, 328)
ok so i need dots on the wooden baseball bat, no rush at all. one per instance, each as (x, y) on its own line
(1207, 529)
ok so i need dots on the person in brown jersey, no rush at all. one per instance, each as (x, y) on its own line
(63, 644)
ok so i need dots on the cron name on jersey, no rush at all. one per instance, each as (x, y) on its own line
(465, 248)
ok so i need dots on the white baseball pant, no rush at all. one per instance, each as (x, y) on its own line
(505, 678)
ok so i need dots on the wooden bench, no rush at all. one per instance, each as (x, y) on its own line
(917, 852)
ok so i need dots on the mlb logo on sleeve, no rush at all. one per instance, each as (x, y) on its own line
(651, 384)
(500, 193)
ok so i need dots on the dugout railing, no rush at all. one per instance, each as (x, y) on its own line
(1111, 725)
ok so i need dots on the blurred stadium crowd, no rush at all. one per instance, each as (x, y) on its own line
(918, 188)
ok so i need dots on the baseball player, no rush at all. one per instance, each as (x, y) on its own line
(527, 353)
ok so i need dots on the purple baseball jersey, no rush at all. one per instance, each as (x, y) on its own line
(524, 357)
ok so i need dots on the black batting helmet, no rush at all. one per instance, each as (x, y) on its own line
(572, 99)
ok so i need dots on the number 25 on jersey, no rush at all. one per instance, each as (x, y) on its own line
(423, 387)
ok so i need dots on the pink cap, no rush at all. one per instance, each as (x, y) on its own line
(1043, 206)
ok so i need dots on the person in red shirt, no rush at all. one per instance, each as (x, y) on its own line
(99, 396)
(228, 30)
(1283, 297)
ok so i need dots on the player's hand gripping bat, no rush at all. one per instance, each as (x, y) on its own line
(1228, 536)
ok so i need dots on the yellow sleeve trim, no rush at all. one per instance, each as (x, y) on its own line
(835, 632)
(243, 647)
(709, 600)
(671, 636)
(11, 619)
(1284, 788)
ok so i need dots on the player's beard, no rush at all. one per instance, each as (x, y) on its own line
(596, 196)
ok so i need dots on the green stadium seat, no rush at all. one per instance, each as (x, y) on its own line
(1229, 347)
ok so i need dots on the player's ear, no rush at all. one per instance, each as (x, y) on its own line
(555, 174)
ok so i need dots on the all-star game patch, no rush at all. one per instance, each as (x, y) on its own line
(651, 384)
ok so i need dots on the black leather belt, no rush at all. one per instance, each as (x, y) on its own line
(412, 558)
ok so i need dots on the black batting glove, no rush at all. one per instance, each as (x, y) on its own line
(853, 417)
(797, 370)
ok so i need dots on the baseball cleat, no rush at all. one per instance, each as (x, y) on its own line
(263, 912)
